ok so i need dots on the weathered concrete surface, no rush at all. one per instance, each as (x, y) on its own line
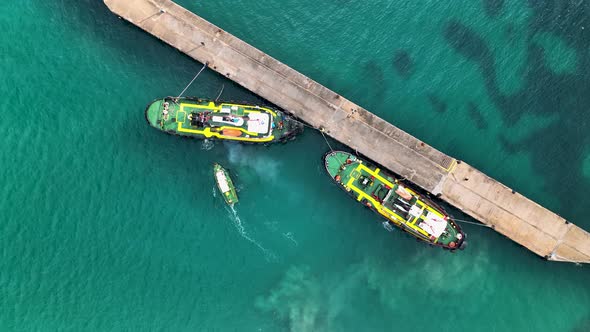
(485, 199)
(515, 216)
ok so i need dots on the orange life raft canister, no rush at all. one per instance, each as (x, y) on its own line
(232, 132)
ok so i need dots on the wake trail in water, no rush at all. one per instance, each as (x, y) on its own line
(269, 255)
(289, 235)
(207, 145)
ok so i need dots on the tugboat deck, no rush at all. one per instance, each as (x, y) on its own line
(227, 121)
(383, 193)
(242, 126)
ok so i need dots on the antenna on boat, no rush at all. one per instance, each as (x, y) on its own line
(220, 92)
(194, 78)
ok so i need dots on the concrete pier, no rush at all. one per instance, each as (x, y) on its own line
(513, 215)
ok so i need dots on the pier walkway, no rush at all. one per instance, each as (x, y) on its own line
(513, 215)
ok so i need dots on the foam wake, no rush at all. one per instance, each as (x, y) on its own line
(237, 221)
(207, 145)
(289, 235)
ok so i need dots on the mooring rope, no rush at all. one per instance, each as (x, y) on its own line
(194, 78)
(305, 124)
(325, 139)
(321, 130)
(473, 223)
(220, 92)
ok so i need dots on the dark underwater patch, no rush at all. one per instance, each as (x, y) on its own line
(583, 325)
(374, 86)
(437, 104)
(403, 64)
(465, 41)
(510, 31)
(564, 18)
(508, 146)
(493, 8)
(555, 150)
(475, 115)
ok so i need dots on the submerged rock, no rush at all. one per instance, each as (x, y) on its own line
(476, 116)
(465, 41)
(403, 64)
(438, 104)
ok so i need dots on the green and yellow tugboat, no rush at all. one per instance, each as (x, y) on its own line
(206, 119)
(225, 184)
(400, 205)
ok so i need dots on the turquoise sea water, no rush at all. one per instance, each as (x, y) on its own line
(109, 225)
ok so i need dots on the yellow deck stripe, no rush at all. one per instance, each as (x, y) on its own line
(382, 209)
(210, 106)
(377, 176)
(385, 181)
(208, 133)
(378, 205)
(247, 108)
(183, 116)
(426, 206)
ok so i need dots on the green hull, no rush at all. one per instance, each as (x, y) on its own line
(225, 184)
(204, 119)
(400, 205)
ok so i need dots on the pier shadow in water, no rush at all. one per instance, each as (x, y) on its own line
(557, 150)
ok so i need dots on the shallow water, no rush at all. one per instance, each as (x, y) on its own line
(111, 225)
